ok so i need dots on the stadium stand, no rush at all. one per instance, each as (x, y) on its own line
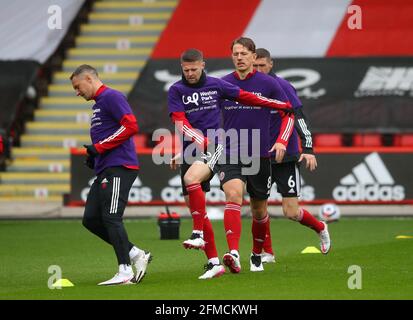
(117, 39)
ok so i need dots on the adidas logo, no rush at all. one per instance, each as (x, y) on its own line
(369, 181)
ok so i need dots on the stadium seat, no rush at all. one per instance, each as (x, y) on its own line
(328, 140)
(403, 140)
(140, 140)
(173, 141)
(367, 140)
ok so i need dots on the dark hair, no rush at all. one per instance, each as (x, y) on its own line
(263, 53)
(192, 55)
(246, 42)
(84, 68)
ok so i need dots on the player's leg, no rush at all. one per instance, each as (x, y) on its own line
(258, 187)
(92, 220)
(194, 177)
(232, 183)
(267, 254)
(213, 266)
(289, 185)
(92, 217)
(114, 199)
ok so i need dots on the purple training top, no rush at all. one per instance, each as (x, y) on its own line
(109, 109)
(290, 92)
(238, 116)
(201, 103)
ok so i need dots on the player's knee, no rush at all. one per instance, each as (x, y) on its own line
(233, 195)
(291, 211)
(190, 179)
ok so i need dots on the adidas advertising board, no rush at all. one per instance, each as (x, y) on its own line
(369, 181)
(369, 177)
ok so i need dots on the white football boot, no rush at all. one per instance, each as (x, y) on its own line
(267, 257)
(141, 263)
(256, 263)
(231, 260)
(194, 242)
(325, 242)
(212, 271)
(124, 276)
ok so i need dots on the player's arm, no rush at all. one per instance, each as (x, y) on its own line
(178, 117)
(233, 92)
(128, 128)
(184, 126)
(286, 126)
(301, 125)
(246, 97)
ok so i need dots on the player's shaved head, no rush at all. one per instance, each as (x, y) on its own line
(192, 55)
(84, 68)
(263, 53)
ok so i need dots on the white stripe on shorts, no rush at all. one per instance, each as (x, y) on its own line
(115, 195)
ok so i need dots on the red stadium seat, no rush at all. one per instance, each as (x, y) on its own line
(367, 140)
(141, 140)
(172, 142)
(328, 140)
(403, 140)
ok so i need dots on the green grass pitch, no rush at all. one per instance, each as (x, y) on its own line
(28, 248)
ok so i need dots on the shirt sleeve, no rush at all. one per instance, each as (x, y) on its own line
(287, 120)
(303, 130)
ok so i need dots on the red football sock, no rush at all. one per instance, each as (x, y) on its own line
(307, 219)
(267, 246)
(259, 230)
(197, 205)
(210, 247)
(232, 224)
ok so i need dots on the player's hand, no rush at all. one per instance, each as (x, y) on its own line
(310, 161)
(173, 164)
(90, 161)
(91, 150)
(279, 149)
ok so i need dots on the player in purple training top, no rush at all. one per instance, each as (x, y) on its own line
(287, 174)
(194, 106)
(246, 119)
(113, 157)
